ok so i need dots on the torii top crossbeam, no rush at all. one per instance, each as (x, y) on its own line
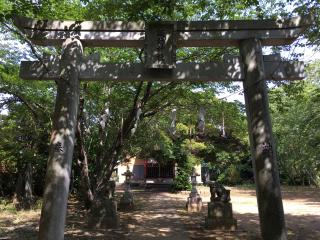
(188, 33)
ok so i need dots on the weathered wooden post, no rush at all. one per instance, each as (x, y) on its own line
(263, 151)
(55, 197)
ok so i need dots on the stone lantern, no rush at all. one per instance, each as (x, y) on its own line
(126, 201)
(128, 175)
(194, 201)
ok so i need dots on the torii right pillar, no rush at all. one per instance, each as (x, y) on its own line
(263, 151)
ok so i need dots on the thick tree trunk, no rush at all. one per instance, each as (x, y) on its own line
(23, 196)
(28, 193)
(103, 120)
(263, 150)
(53, 214)
(111, 158)
(85, 185)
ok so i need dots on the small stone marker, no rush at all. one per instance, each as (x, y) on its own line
(126, 201)
(220, 215)
(194, 201)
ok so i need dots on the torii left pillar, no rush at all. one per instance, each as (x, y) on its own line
(54, 207)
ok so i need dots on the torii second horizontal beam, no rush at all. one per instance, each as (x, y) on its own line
(229, 70)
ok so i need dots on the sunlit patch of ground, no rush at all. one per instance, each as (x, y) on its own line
(162, 215)
(18, 224)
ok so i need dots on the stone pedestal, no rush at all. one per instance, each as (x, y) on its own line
(103, 213)
(220, 216)
(126, 201)
(107, 215)
(194, 201)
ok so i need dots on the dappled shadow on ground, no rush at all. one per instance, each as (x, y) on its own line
(194, 223)
(303, 227)
(305, 194)
(299, 227)
(155, 217)
(77, 226)
(20, 225)
(162, 215)
(290, 193)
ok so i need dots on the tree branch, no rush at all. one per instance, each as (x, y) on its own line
(22, 100)
(29, 43)
(146, 94)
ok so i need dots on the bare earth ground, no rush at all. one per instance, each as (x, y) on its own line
(161, 215)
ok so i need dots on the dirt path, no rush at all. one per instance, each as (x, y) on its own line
(301, 206)
(156, 217)
(161, 215)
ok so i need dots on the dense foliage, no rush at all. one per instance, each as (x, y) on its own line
(295, 110)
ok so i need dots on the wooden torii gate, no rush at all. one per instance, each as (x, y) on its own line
(160, 40)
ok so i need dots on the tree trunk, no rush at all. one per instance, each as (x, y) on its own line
(111, 158)
(103, 120)
(85, 185)
(23, 196)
